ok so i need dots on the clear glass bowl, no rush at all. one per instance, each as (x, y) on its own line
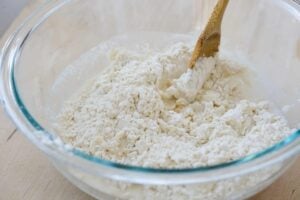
(263, 34)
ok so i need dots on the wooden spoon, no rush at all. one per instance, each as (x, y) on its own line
(209, 40)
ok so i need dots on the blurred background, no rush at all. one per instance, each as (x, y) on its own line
(9, 10)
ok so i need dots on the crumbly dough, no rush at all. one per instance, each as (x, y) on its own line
(150, 110)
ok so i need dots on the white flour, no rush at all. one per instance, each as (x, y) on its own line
(145, 110)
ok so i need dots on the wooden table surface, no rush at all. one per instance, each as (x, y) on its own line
(26, 174)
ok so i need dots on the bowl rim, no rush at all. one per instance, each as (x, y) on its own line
(51, 145)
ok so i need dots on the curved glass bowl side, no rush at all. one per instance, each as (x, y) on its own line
(46, 141)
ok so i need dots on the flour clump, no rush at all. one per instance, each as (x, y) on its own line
(150, 110)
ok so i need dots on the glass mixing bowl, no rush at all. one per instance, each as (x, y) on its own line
(264, 35)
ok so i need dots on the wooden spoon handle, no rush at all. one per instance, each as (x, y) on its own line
(209, 40)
